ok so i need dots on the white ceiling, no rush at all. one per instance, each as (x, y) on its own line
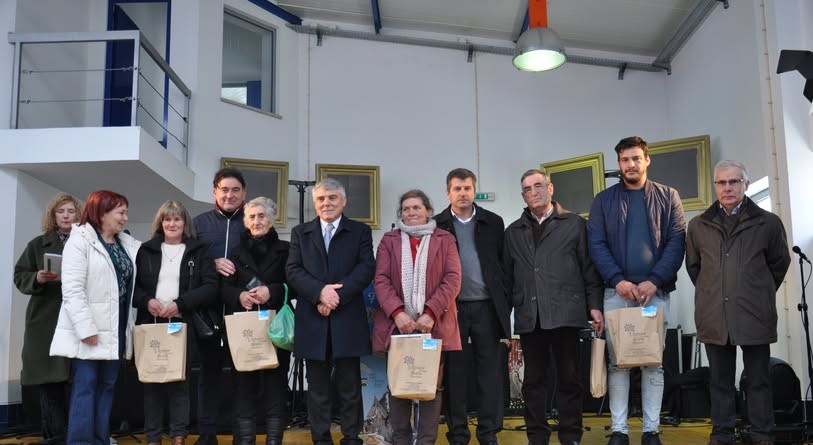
(628, 26)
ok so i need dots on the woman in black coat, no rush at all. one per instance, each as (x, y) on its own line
(259, 261)
(175, 277)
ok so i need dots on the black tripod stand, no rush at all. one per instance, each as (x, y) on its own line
(299, 414)
(802, 307)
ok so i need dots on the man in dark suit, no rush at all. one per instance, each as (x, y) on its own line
(330, 263)
(482, 313)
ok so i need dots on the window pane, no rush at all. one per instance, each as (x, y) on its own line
(248, 63)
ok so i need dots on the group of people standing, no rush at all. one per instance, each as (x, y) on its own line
(456, 275)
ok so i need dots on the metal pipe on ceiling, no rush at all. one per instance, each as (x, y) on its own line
(684, 32)
(465, 47)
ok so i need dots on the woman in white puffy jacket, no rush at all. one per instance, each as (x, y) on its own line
(96, 317)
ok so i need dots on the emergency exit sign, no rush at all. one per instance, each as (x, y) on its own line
(485, 196)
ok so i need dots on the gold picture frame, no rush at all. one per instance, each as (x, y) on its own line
(685, 165)
(362, 183)
(576, 181)
(264, 178)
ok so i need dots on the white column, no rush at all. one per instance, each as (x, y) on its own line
(788, 27)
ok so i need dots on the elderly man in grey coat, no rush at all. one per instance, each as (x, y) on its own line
(737, 256)
(554, 287)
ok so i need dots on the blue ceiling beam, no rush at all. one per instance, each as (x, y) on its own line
(278, 11)
(376, 16)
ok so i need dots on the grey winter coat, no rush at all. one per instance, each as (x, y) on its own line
(736, 276)
(555, 280)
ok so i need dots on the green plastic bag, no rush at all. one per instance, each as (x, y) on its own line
(281, 329)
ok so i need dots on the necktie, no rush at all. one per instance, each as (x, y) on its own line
(328, 235)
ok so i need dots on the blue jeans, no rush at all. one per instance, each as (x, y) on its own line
(618, 379)
(91, 401)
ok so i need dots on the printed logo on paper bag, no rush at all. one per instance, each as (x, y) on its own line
(638, 338)
(409, 361)
(248, 334)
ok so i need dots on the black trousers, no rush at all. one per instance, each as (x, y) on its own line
(211, 366)
(537, 347)
(270, 386)
(54, 410)
(343, 374)
(477, 321)
(722, 366)
(156, 397)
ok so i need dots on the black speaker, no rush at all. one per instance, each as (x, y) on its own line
(787, 393)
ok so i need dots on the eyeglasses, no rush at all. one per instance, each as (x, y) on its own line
(538, 187)
(729, 182)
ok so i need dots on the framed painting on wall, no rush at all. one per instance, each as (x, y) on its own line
(576, 181)
(685, 165)
(264, 178)
(363, 187)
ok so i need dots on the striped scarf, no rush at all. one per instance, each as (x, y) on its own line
(413, 274)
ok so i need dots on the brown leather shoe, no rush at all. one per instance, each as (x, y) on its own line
(178, 440)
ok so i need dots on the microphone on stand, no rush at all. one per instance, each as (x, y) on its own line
(799, 252)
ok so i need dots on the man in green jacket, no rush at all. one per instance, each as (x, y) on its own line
(737, 256)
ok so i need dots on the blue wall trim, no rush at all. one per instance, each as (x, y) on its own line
(278, 11)
(10, 416)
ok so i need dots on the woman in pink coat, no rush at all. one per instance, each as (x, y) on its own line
(417, 279)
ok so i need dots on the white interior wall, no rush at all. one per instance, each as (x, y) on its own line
(720, 85)
(714, 89)
(220, 129)
(8, 17)
(53, 16)
(9, 359)
(418, 112)
(788, 27)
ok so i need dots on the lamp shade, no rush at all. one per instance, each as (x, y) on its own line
(539, 49)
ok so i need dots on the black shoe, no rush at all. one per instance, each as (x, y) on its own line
(650, 438)
(206, 439)
(617, 438)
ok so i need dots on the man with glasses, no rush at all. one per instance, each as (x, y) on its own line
(737, 256)
(636, 234)
(553, 285)
(221, 228)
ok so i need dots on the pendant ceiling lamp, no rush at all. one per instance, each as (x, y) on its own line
(538, 48)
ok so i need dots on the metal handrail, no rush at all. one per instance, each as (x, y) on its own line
(18, 39)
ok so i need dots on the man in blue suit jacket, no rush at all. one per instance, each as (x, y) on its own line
(330, 263)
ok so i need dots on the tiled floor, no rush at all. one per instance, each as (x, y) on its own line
(695, 433)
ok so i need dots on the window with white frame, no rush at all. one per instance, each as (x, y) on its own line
(759, 192)
(248, 63)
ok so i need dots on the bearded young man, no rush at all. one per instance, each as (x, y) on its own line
(636, 234)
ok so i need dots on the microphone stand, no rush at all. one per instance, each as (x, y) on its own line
(299, 416)
(802, 307)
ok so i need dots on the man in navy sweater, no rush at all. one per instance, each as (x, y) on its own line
(636, 234)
